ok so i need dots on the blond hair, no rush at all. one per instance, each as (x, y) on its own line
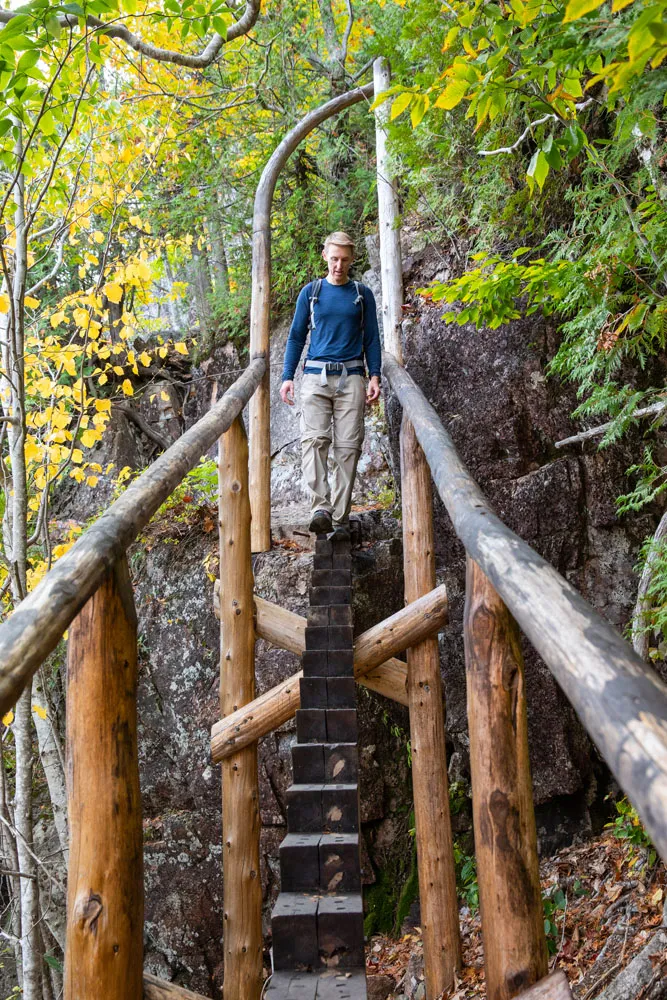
(340, 238)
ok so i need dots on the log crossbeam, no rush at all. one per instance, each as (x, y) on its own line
(375, 665)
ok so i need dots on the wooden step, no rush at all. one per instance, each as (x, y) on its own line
(328, 862)
(320, 763)
(312, 931)
(329, 614)
(348, 985)
(327, 808)
(328, 663)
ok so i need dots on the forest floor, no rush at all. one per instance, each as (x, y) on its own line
(604, 901)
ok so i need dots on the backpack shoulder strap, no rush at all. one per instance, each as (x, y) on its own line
(315, 287)
(359, 288)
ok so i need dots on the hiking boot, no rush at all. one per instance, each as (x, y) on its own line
(320, 523)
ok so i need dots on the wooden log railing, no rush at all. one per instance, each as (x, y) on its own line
(260, 308)
(38, 623)
(373, 652)
(89, 589)
(620, 700)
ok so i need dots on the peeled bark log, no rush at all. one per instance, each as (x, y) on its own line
(37, 624)
(105, 892)
(260, 310)
(435, 851)
(275, 707)
(553, 987)
(620, 700)
(159, 989)
(242, 900)
(510, 898)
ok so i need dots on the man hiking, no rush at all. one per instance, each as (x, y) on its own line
(340, 316)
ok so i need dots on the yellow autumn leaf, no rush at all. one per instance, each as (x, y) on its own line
(38, 710)
(8, 718)
(102, 405)
(4, 303)
(103, 379)
(113, 291)
(118, 370)
(57, 319)
(164, 397)
(145, 359)
(180, 347)
(97, 236)
(77, 455)
(31, 301)
(126, 386)
(89, 438)
(92, 481)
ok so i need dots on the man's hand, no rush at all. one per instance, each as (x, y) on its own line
(287, 392)
(373, 390)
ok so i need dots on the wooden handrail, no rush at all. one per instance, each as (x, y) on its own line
(260, 308)
(37, 624)
(620, 700)
(373, 649)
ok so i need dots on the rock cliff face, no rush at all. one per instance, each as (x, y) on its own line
(504, 416)
(490, 391)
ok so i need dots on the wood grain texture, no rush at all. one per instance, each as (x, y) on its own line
(260, 309)
(272, 709)
(105, 897)
(159, 989)
(435, 854)
(620, 700)
(515, 950)
(242, 890)
(553, 987)
(38, 623)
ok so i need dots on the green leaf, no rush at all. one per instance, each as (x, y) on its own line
(538, 169)
(399, 104)
(53, 26)
(419, 108)
(46, 124)
(578, 8)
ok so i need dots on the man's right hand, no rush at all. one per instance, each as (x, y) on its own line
(287, 392)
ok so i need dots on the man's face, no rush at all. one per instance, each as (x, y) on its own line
(339, 261)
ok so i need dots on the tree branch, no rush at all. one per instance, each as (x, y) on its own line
(646, 411)
(205, 58)
(528, 129)
(143, 425)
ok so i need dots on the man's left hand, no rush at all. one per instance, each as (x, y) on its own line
(373, 390)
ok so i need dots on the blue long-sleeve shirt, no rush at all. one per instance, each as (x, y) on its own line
(337, 335)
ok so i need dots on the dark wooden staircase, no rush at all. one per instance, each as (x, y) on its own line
(317, 922)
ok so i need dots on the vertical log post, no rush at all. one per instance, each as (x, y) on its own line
(259, 412)
(105, 902)
(515, 952)
(435, 856)
(242, 900)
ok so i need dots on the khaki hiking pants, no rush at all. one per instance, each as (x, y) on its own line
(328, 416)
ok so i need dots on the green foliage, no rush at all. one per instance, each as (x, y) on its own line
(466, 877)
(388, 901)
(554, 903)
(628, 826)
